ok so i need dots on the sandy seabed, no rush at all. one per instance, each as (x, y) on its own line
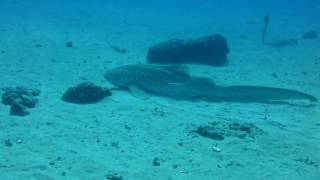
(123, 134)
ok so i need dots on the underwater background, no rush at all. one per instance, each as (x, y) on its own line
(49, 46)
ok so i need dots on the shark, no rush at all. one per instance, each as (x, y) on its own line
(173, 81)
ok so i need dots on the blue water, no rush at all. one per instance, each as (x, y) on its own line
(154, 138)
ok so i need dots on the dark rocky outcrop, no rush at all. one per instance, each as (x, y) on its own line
(20, 98)
(85, 93)
(211, 50)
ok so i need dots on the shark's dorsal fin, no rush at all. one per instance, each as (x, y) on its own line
(181, 69)
(206, 82)
(177, 68)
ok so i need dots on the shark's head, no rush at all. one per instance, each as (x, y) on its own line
(117, 77)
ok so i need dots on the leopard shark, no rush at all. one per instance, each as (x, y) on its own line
(175, 82)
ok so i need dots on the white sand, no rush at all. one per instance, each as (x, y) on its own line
(77, 140)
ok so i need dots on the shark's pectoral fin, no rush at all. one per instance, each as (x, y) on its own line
(139, 93)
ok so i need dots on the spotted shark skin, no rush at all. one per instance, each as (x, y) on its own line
(175, 82)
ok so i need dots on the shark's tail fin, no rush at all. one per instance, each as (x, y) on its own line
(262, 94)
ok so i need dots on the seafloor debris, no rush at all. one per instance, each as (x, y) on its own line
(156, 161)
(266, 21)
(210, 50)
(282, 43)
(8, 143)
(69, 44)
(85, 93)
(243, 36)
(114, 176)
(251, 22)
(219, 130)
(119, 49)
(310, 35)
(278, 43)
(20, 98)
(215, 148)
(308, 161)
